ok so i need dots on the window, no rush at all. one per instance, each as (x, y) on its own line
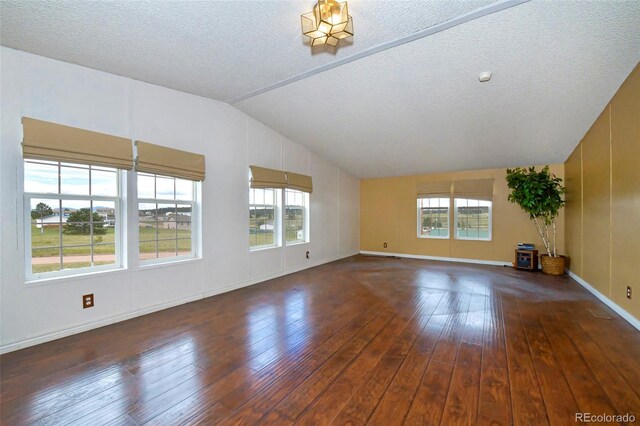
(73, 218)
(433, 217)
(166, 212)
(263, 214)
(473, 219)
(295, 216)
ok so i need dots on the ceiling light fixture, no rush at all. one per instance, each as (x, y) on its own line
(328, 23)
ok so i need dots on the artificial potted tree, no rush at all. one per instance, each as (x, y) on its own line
(539, 193)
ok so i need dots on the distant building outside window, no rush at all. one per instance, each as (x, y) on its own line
(296, 216)
(472, 219)
(433, 217)
(166, 218)
(73, 218)
(263, 217)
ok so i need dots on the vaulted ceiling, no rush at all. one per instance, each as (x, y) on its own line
(402, 97)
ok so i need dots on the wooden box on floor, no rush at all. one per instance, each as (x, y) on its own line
(526, 259)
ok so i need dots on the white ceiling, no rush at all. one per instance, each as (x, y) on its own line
(415, 108)
(217, 49)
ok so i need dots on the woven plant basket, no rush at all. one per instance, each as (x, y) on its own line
(552, 265)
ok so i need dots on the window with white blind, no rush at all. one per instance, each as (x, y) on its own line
(472, 219)
(167, 225)
(264, 229)
(296, 216)
(433, 217)
(73, 217)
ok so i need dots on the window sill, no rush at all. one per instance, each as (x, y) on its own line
(167, 263)
(263, 248)
(37, 282)
(486, 240)
(422, 237)
(297, 243)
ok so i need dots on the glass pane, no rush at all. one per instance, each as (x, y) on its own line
(435, 217)
(45, 235)
(75, 210)
(75, 233)
(166, 248)
(269, 196)
(147, 250)
(184, 190)
(473, 218)
(45, 260)
(261, 226)
(148, 231)
(104, 254)
(39, 177)
(147, 222)
(104, 183)
(184, 247)
(258, 196)
(165, 188)
(167, 221)
(253, 226)
(183, 221)
(104, 233)
(147, 211)
(104, 220)
(294, 223)
(76, 215)
(483, 222)
(44, 212)
(146, 186)
(74, 180)
(76, 257)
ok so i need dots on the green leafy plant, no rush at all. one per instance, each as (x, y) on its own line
(539, 194)
(78, 223)
(42, 210)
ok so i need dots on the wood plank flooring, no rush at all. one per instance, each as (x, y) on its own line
(364, 340)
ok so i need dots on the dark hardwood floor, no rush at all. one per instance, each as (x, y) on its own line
(362, 340)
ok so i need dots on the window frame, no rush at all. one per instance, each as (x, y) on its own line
(196, 233)
(119, 225)
(305, 217)
(455, 220)
(277, 205)
(419, 208)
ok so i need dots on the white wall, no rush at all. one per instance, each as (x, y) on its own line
(50, 90)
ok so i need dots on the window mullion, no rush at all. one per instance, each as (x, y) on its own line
(157, 232)
(59, 231)
(91, 230)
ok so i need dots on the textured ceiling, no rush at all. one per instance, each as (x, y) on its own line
(419, 107)
(415, 108)
(218, 49)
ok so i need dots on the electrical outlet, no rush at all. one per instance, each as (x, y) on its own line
(628, 292)
(87, 301)
(385, 245)
(307, 255)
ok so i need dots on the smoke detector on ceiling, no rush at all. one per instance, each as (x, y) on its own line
(484, 76)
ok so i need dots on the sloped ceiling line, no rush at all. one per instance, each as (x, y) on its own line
(443, 26)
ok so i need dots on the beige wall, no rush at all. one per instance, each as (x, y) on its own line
(388, 213)
(603, 200)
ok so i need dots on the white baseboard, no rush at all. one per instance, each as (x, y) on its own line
(624, 314)
(58, 334)
(444, 259)
(610, 303)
